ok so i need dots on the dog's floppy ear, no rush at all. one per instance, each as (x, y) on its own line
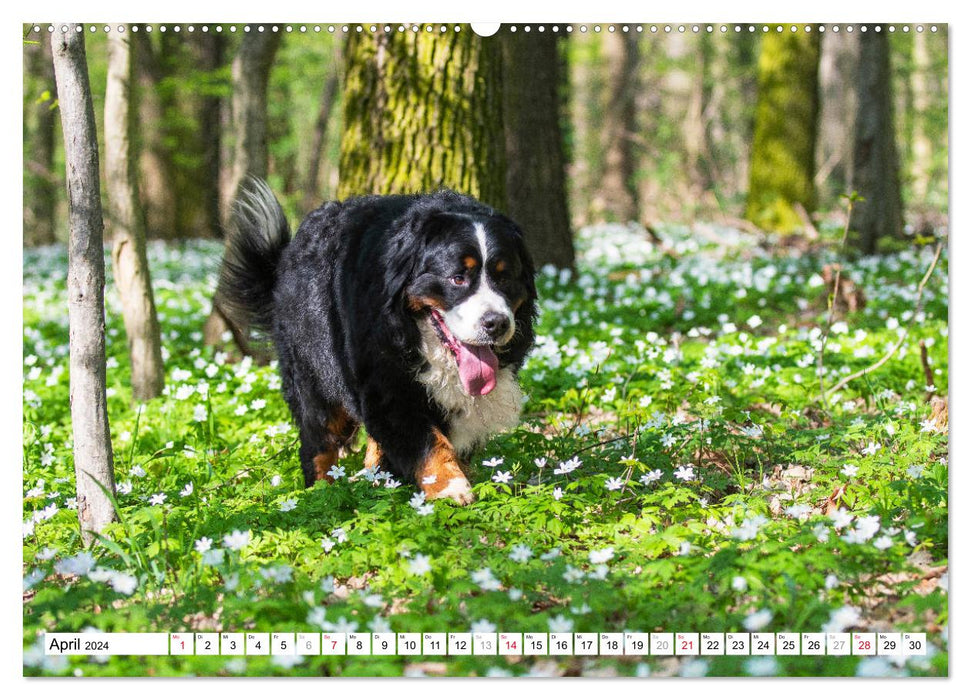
(528, 273)
(515, 353)
(405, 252)
(400, 262)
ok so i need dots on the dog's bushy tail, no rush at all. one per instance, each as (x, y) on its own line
(257, 236)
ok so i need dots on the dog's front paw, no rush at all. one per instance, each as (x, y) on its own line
(457, 489)
(441, 476)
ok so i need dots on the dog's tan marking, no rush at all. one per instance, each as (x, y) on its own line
(340, 425)
(323, 463)
(441, 476)
(501, 266)
(373, 454)
(469, 262)
(340, 428)
(425, 302)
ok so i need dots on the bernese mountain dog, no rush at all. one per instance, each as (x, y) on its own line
(409, 314)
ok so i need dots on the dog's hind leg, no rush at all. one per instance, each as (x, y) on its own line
(373, 454)
(320, 446)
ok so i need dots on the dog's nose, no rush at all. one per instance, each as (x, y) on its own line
(495, 324)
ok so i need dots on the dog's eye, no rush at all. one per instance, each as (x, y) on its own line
(459, 280)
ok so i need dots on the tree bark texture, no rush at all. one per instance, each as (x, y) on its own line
(535, 176)
(40, 182)
(129, 259)
(876, 171)
(422, 111)
(85, 284)
(784, 143)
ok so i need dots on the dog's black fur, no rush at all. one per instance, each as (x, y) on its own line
(343, 299)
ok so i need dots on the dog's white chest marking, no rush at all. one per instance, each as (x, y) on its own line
(472, 419)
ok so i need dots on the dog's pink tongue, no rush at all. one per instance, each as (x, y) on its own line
(477, 368)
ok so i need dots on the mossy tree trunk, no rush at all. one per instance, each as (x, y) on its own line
(422, 111)
(876, 170)
(93, 459)
(784, 142)
(535, 177)
(126, 223)
(40, 182)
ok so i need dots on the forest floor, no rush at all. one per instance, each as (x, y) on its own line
(675, 471)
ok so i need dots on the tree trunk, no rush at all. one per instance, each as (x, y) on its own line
(156, 169)
(85, 285)
(423, 110)
(128, 255)
(618, 192)
(250, 156)
(251, 78)
(837, 89)
(311, 195)
(40, 182)
(876, 176)
(784, 143)
(535, 183)
(208, 49)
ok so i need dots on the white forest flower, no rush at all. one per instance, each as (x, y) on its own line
(237, 539)
(758, 620)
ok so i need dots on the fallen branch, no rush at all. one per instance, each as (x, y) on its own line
(903, 336)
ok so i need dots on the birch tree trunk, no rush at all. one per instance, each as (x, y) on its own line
(85, 285)
(128, 255)
(535, 177)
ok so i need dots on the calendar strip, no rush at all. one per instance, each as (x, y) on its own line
(487, 644)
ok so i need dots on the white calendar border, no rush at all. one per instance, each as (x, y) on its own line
(508, 10)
